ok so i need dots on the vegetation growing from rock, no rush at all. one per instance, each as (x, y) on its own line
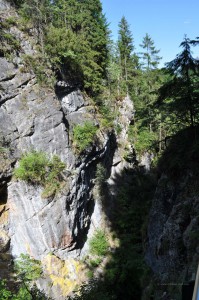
(27, 271)
(84, 135)
(99, 244)
(36, 168)
(73, 39)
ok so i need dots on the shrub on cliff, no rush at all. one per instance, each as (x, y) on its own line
(84, 135)
(32, 167)
(35, 167)
(99, 244)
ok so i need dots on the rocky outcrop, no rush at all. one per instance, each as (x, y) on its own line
(173, 241)
(38, 121)
(34, 117)
(55, 229)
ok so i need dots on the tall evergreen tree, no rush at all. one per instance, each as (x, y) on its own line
(150, 58)
(183, 88)
(149, 83)
(79, 33)
(37, 11)
(125, 46)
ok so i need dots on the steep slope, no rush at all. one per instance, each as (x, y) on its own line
(52, 229)
(173, 240)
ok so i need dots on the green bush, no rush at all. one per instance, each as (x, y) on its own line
(101, 175)
(35, 167)
(99, 244)
(9, 44)
(32, 167)
(28, 269)
(84, 135)
(108, 116)
(145, 141)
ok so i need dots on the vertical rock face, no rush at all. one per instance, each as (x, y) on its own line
(34, 117)
(39, 226)
(173, 241)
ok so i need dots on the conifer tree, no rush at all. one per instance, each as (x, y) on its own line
(183, 88)
(125, 46)
(149, 83)
(150, 58)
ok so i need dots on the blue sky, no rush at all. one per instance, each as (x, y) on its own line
(166, 21)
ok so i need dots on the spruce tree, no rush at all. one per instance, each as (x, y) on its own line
(150, 58)
(125, 46)
(183, 87)
(149, 83)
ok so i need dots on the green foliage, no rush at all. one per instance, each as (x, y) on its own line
(43, 74)
(95, 262)
(99, 244)
(32, 167)
(181, 153)
(150, 58)
(73, 36)
(36, 168)
(54, 178)
(94, 291)
(28, 269)
(101, 175)
(84, 135)
(5, 294)
(126, 57)
(9, 44)
(25, 292)
(145, 141)
(180, 94)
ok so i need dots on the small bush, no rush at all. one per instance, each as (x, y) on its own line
(9, 44)
(35, 167)
(108, 116)
(32, 167)
(94, 263)
(99, 244)
(28, 269)
(101, 175)
(84, 135)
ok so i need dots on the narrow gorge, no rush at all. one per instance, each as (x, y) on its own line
(147, 212)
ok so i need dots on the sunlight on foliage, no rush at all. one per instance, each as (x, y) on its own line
(99, 244)
(84, 135)
(35, 167)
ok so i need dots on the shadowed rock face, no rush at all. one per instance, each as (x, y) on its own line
(173, 244)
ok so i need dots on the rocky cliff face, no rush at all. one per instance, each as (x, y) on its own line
(32, 117)
(173, 240)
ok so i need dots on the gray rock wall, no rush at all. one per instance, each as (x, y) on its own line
(173, 242)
